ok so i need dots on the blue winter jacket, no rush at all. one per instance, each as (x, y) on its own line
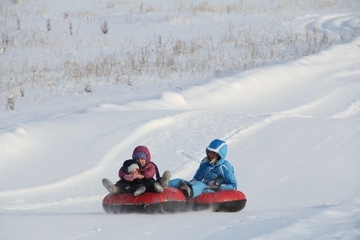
(222, 171)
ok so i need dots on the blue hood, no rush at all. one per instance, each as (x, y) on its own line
(218, 146)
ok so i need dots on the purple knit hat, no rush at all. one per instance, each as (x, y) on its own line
(139, 155)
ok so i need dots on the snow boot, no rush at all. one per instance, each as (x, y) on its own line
(187, 190)
(164, 180)
(112, 188)
(140, 190)
(158, 188)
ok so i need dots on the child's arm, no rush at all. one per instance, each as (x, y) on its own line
(121, 172)
(129, 177)
(149, 171)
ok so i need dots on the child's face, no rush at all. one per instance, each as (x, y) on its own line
(212, 155)
(134, 172)
(141, 161)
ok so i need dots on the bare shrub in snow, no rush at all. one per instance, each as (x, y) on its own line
(11, 99)
(18, 24)
(48, 24)
(105, 27)
(70, 28)
(22, 91)
(88, 88)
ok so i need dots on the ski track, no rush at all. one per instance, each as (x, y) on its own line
(103, 163)
(61, 203)
(350, 106)
(335, 23)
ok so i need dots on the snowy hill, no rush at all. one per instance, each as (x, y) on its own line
(292, 125)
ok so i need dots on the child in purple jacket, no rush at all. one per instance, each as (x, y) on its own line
(137, 175)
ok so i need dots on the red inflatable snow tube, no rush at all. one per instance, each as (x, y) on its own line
(220, 201)
(173, 200)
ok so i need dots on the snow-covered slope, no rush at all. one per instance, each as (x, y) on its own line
(293, 131)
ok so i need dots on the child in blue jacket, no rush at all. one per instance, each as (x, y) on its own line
(214, 173)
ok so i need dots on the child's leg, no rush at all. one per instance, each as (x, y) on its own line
(164, 180)
(153, 186)
(124, 187)
(138, 189)
(175, 182)
(112, 188)
(198, 188)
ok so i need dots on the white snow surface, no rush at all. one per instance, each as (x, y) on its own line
(293, 132)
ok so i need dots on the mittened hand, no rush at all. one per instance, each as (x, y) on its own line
(212, 184)
(129, 178)
(139, 176)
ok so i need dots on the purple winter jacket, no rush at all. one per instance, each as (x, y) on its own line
(149, 170)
